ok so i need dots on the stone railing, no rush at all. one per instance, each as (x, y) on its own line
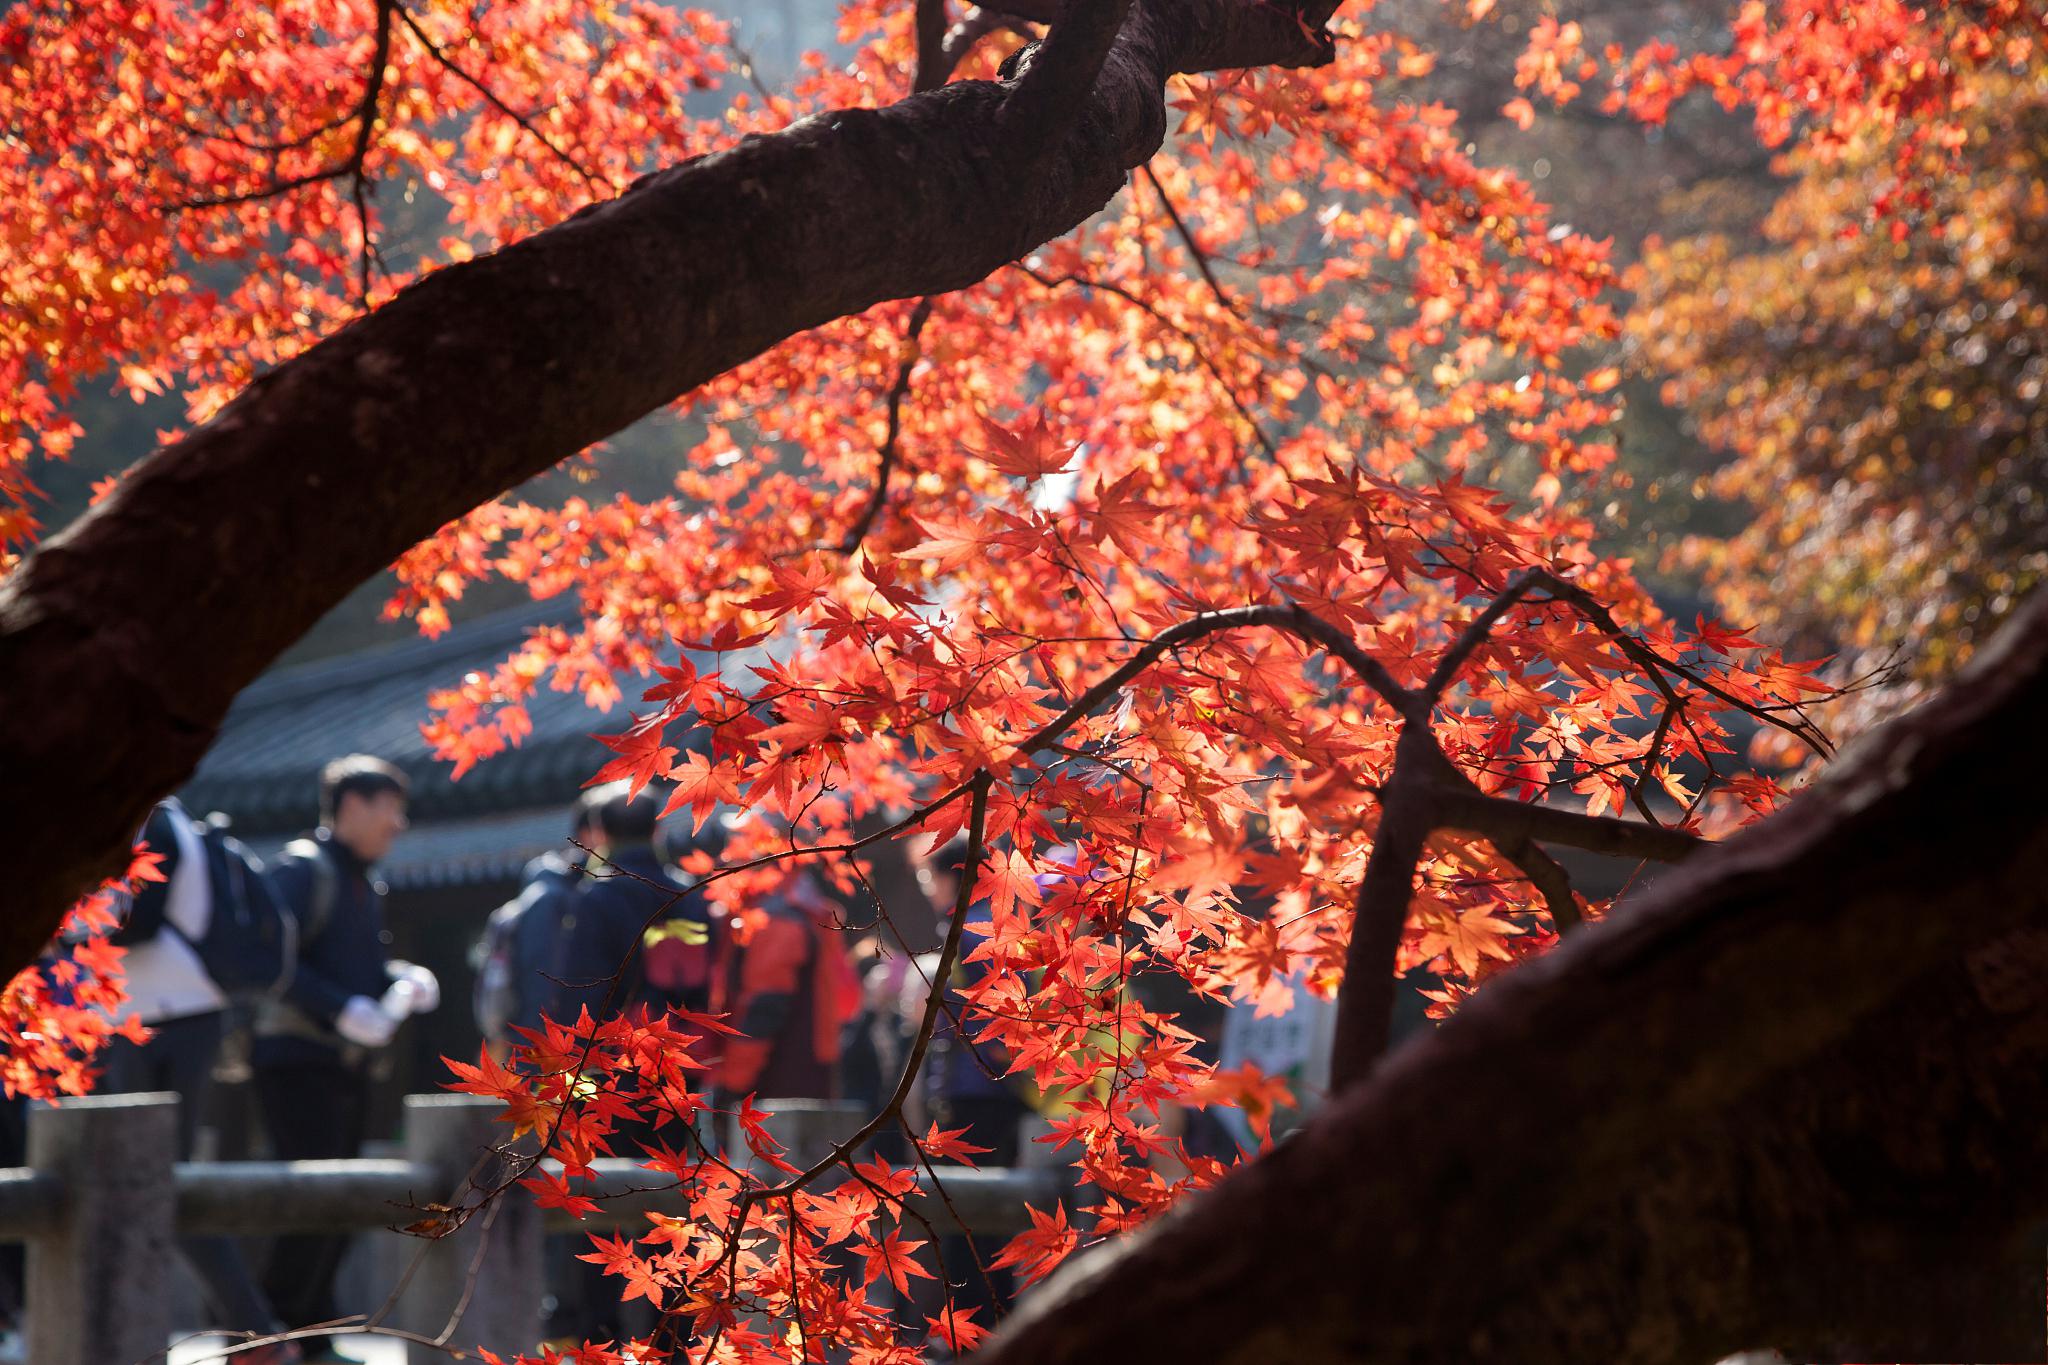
(101, 1205)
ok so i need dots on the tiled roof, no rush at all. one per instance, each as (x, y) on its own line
(264, 767)
(483, 848)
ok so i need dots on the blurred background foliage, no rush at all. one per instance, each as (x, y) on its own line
(1873, 400)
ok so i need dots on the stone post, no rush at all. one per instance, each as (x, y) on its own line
(808, 1129)
(491, 1269)
(99, 1277)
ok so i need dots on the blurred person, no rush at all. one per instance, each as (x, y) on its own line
(788, 988)
(519, 957)
(965, 1082)
(316, 1047)
(631, 944)
(173, 993)
(875, 1043)
(965, 1085)
(633, 940)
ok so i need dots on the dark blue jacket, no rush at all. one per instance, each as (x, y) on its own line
(346, 953)
(621, 898)
(537, 936)
(146, 907)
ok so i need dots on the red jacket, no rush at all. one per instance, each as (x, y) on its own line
(788, 988)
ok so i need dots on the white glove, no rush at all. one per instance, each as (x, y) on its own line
(413, 990)
(365, 1023)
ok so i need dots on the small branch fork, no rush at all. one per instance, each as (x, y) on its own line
(350, 167)
(1427, 792)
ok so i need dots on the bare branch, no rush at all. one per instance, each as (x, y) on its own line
(900, 390)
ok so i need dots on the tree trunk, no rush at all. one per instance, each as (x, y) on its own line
(1797, 1098)
(124, 638)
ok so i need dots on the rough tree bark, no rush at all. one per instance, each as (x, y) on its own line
(124, 638)
(1798, 1098)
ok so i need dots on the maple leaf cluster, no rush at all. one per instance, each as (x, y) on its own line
(56, 1016)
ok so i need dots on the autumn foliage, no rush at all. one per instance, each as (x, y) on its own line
(1136, 561)
(1875, 376)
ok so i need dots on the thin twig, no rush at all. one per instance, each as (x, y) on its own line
(977, 824)
(1201, 355)
(434, 50)
(1187, 236)
(897, 393)
(1476, 632)
(365, 116)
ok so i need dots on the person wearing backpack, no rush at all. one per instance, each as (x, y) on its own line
(521, 947)
(631, 943)
(632, 937)
(186, 962)
(315, 1044)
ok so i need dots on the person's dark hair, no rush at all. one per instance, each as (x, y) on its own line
(629, 820)
(950, 858)
(583, 816)
(357, 775)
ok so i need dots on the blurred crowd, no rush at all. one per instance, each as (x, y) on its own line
(826, 1000)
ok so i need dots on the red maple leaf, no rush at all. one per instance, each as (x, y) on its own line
(892, 1257)
(642, 756)
(1029, 452)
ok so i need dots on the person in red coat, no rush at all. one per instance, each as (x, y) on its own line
(788, 988)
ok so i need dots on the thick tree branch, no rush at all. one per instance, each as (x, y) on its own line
(1796, 1097)
(1365, 1006)
(1499, 818)
(124, 638)
(1054, 83)
(933, 63)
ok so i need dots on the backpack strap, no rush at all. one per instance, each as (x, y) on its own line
(326, 886)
